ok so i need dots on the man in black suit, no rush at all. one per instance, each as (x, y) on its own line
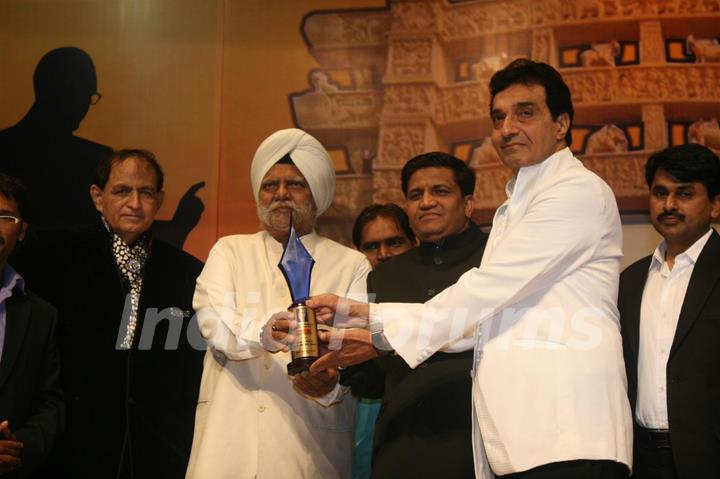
(670, 312)
(425, 413)
(31, 402)
(130, 347)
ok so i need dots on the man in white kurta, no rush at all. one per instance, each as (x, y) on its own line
(251, 421)
(549, 386)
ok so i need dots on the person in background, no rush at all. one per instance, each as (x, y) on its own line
(669, 306)
(31, 401)
(380, 232)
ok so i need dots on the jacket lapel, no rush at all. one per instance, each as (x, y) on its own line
(633, 303)
(704, 277)
(16, 325)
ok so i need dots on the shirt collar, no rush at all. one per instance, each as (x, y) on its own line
(689, 256)
(527, 175)
(12, 283)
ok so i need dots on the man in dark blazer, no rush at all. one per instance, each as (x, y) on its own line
(670, 312)
(424, 427)
(130, 347)
(31, 402)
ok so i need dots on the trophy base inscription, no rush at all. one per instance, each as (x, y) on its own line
(306, 348)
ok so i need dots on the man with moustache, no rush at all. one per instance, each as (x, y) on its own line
(130, 369)
(252, 420)
(670, 311)
(31, 401)
(549, 392)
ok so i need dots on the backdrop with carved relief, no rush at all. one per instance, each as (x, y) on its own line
(411, 77)
(203, 82)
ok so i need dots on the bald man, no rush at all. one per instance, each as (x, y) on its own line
(252, 419)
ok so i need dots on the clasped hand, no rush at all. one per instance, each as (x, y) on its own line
(347, 344)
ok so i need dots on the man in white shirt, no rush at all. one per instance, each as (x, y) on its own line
(670, 312)
(549, 389)
(253, 421)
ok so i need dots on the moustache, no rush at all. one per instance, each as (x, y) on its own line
(671, 214)
(282, 204)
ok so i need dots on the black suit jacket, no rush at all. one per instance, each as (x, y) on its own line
(424, 426)
(693, 369)
(30, 395)
(130, 410)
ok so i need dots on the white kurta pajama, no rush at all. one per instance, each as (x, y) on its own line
(251, 422)
(549, 380)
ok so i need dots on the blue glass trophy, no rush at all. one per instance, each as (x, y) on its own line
(296, 265)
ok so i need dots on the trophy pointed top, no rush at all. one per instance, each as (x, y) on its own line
(296, 265)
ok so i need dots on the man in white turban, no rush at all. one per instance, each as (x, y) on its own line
(252, 419)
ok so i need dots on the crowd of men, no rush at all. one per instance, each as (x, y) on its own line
(447, 351)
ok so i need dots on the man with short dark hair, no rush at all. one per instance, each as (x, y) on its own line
(549, 390)
(382, 231)
(670, 309)
(31, 402)
(425, 411)
(132, 357)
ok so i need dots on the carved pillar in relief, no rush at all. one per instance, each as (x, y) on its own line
(416, 67)
(653, 117)
(544, 48)
(652, 45)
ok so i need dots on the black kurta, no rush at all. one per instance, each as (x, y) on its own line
(130, 413)
(424, 425)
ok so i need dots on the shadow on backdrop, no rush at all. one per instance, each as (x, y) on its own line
(56, 165)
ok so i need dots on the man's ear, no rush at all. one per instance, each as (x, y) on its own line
(715, 208)
(96, 195)
(563, 125)
(160, 198)
(469, 206)
(23, 231)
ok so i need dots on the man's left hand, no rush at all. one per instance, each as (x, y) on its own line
(316, 384)
(10, 449)
(348, 347)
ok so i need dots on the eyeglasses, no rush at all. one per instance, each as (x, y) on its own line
(9, 219)
(95, 98)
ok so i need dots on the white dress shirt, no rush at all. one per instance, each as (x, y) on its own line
(549, 379)
(250, 421)
(662, 301)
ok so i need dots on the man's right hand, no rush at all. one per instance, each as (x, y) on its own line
(276, 334)
(10, 449)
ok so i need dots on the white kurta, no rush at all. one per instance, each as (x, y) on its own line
(250, 421)
(549, 378)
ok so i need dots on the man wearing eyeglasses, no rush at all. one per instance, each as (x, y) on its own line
(31, 402)
(131, 350)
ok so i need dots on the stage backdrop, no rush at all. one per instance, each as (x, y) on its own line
(202, 82)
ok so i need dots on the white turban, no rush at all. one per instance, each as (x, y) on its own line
(307, 154)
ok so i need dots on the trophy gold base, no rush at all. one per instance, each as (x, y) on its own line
(306, 349)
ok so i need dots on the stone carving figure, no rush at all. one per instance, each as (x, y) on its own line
(705, 133)
(608, 139)
(704, 49)
(600, 54)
